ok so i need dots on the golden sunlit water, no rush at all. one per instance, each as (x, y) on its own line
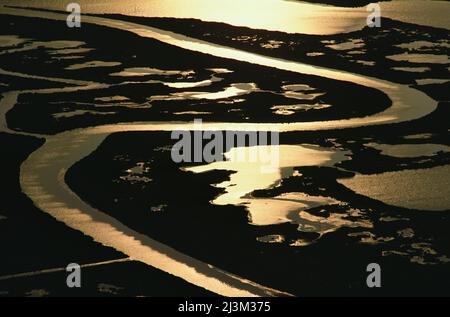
(42, 174)
(423, 189)
(253, 171)
(43, 180)
(277, 15)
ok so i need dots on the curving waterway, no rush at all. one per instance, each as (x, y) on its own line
(42, 174)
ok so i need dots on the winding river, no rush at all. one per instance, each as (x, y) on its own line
(291, 16)
(42, 174)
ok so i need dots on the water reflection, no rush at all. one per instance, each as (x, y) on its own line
(424, 189)
(420, 58)
(250, 175)
(287, 208)
(92, 64)
(287, 16)
(409, 150)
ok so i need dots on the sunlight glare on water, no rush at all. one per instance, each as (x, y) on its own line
(251, 175)
(279, 15)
